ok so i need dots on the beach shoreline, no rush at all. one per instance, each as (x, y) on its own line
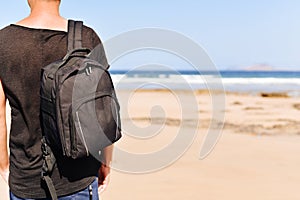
(255, 158)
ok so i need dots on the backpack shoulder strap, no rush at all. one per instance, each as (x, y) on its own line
(74, 34)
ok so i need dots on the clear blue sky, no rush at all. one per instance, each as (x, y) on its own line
(233, 32)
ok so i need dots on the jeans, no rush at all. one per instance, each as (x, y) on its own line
(82, 195)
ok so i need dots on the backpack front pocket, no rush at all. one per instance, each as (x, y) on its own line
(91, 120)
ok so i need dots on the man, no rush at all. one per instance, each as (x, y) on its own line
(26, 47)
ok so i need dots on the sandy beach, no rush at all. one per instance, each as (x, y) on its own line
(255, 158)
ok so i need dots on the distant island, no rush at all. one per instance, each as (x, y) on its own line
(261, 67)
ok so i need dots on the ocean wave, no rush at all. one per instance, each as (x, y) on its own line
(236, 84)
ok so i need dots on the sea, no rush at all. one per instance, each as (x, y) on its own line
(287, 82)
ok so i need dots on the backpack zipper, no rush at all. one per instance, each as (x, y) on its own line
(82, 135)
(59, 122)
(95, 96)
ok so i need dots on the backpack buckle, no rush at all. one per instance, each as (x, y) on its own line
(45, 147)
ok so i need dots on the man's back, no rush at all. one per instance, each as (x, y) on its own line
(23, 52)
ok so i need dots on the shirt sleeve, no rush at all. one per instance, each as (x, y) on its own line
(98, 52)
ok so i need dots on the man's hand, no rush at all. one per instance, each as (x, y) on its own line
(103, 177)
(104, 171)
(4, 174)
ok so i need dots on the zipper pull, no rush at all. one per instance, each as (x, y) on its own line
(88, 71)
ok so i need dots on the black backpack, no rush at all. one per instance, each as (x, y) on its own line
(79, 109)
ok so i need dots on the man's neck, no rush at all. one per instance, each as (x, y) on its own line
(45, 14)
(45, 9)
